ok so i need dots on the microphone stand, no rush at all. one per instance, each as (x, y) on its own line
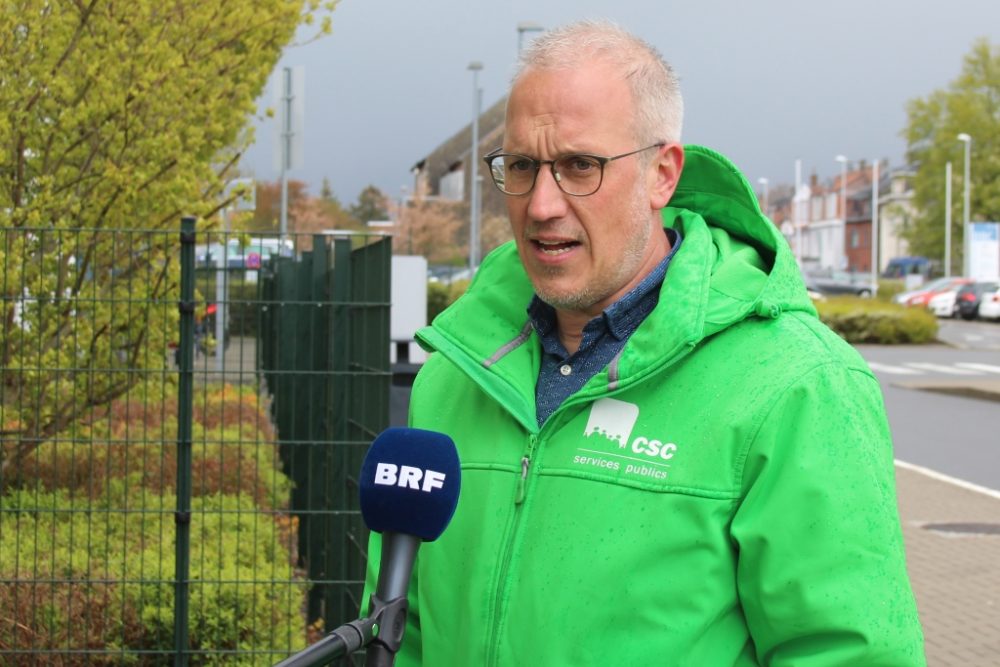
(382, 630)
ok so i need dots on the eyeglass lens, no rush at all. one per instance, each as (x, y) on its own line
(575, 174)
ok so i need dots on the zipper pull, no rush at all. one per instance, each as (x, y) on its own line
(525, 462)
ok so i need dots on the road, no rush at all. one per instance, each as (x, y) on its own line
(951, 434)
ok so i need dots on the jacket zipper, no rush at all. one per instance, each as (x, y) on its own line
(493, 646)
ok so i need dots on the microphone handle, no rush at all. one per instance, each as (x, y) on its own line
(399, 551)
(345, 640)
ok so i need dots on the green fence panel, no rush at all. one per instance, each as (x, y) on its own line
(178, 484)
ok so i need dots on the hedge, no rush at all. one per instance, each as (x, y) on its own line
(872, 321)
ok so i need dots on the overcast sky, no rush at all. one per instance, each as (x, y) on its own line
(764, 82)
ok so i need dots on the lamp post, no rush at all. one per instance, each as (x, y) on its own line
(874, 242)
(947, 220)
(967, 140)
(843, 198)
(795, 213)
(763, 181)
(523, 27)
(475, 66)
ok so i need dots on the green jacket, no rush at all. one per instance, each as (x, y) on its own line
(722, 494)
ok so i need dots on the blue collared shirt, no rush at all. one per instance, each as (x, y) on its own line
(563, 374)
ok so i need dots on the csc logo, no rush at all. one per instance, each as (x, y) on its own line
(654, 448)
(408, 477)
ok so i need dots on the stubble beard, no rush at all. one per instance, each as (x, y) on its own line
(600, 287)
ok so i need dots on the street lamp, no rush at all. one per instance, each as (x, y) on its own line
(843, 200)
(967, 140)
(947, 219)
(475, 66)
(874, 235)
(523, 27)
(763, 182)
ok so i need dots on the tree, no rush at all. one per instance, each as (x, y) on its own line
(267, 215)
(371, 206)
(971, 104)
(430, 229)
(117, 116)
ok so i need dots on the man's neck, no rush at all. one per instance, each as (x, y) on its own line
(570, 323)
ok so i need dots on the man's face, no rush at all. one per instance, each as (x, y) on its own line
(583, 253)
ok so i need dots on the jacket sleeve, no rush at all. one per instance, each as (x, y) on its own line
(410, 652)
(821, 569)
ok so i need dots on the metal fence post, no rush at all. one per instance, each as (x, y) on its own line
(182, 516)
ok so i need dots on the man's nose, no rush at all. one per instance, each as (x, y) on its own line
(546, 199)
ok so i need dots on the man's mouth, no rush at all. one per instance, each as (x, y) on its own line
(555, 247)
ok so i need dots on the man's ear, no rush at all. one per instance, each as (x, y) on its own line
(668, 163)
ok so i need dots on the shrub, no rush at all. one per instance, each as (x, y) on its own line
(98, 576)
(441, 295)
(888, 288)
(233, 452)
(872, 321)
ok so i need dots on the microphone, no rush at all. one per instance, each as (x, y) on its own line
(410, 482)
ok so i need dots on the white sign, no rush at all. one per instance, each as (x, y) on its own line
(984, 250)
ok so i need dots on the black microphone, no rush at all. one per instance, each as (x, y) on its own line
(410, 481)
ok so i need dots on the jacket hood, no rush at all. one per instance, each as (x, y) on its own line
(732, 265)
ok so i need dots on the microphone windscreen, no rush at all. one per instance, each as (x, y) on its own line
(410, 481)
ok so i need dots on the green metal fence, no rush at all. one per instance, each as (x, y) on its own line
(181, 421)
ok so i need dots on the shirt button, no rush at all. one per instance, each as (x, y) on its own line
(565, 369)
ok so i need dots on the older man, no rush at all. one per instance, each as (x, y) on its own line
(667, 458)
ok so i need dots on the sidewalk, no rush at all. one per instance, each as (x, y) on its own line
(952, 538)
(988, 389)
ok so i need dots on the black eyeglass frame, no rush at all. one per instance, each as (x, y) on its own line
(602, 160)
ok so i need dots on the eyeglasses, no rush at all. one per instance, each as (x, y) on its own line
(578, 175)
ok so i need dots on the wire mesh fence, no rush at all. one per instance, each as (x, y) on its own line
(181, 420)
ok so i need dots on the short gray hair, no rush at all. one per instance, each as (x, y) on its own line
(659, 107)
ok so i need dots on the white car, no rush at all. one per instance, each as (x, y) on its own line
(944, 304)
(989, 306)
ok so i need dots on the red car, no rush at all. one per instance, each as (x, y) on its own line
(921, 296)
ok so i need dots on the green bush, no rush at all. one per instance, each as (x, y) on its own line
(441, 295)
(888, 288)
(873, 321)
(233, 449)
(98, 575)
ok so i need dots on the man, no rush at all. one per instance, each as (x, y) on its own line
(667, 459)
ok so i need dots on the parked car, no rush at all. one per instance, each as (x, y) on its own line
(989, 306)
(944, 304)
(900, 267)
(922, 296)
(840, 282)
(969, 296)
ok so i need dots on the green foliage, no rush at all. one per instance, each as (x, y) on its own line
(441, 295)
(871, 321)
(233, 450)
(888, 288)
(243, 586)
(971, 104)
(117, 115)
(88, 546)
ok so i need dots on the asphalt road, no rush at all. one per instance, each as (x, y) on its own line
(955, 435)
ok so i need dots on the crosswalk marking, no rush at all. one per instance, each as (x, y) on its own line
(892, 370)
(963, 368)
(979, 367)
(941, 368)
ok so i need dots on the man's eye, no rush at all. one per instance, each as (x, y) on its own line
(520, 165)
(578, 164)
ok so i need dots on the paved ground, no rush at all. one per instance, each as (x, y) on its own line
(953, 554)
